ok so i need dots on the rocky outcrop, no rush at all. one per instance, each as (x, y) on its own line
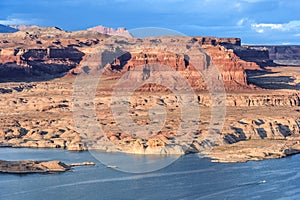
(41, 135)
(31, 166)
(254, 150)
(38, 62)
(212, 41)
(266, 128)
(48, 122)
(258, 139)
(122, 142)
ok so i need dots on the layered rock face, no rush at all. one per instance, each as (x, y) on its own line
(255, 129)
(212, 41)
(18, 63)
(51, 51)
(255, 100)
(259, 56)
(42, 52)
(156, 62)
(231, 69)
(281, 55)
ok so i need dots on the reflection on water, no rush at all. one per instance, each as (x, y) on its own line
(134, 163)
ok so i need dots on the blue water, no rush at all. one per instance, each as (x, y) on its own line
(187, 178)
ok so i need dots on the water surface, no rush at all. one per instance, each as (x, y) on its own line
(187, 178)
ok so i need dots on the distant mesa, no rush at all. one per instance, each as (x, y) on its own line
(111, 31)
(281, 54)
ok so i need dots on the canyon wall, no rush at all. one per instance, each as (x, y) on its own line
(281, 54)
(258, 55)
(42, 53)
(255, 100)
(232, 69)
(51, 51)
(38, 62)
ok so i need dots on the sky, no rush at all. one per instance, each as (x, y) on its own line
(254, 21)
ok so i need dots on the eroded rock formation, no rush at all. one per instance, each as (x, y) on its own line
(40, 114)
(18, 63)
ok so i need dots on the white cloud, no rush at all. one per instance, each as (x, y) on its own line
(238, 6)
(297, 35)
(294, 24)
(15, 21)
(271, 26)
(260, 30)
(290, 26)
(244, 22)
(240, 22)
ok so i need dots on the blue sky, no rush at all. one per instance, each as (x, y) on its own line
(255, 21)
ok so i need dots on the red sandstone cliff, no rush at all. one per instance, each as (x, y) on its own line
(230, 66)
(40, 52)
